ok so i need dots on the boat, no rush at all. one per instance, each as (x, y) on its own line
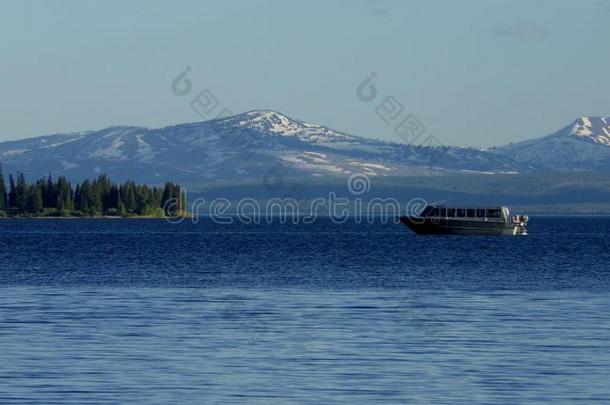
(466, 220)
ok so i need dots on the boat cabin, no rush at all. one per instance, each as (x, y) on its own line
(463, 212)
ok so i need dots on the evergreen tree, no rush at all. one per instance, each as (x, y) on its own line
(34, 201)
(103, 187)
(143, 200)
(111, 201)
(165, 200)
(97, 206)
(3, 195)
(120, 210)
(156, 197)
(64, 195)
(80, 203)
(50, 193)
(21, 193)
(12, 194)
(173, 201)
(81, 197)
(128, 196)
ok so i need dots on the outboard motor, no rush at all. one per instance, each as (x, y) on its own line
(520, 222)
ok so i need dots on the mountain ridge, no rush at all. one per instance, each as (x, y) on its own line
(250, 144)
(231, 148)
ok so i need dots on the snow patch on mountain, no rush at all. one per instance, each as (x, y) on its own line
(67, 165)
(13, 152)
(595, 129)
(372, 168)
(145, 151)
(267, 121)
(113, 151)
(315, 157)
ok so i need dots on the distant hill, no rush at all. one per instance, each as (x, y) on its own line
(584, 145)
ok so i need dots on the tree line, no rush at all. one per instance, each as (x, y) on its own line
(49, 197)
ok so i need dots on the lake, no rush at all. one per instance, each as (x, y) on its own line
(143, 311)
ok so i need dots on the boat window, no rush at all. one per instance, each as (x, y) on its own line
(470, 213)
(450, 212)
(434, 212)
(461, 212)
(480, 213)
(443, 212)
(494, 213)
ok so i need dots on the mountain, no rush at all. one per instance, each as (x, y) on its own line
(584, 145)
(245, 146)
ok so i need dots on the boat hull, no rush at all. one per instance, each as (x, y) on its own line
(440, 226)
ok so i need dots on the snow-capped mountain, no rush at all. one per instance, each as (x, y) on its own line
(582, 145)
(244, 146)
(593, 129)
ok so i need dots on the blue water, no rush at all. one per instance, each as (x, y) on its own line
(142, 311)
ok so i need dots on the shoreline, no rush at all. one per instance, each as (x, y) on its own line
(231, 215)
(87, 217)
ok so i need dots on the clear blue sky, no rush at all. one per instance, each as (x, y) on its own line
(473, 72)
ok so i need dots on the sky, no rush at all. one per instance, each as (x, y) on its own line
(472, 73)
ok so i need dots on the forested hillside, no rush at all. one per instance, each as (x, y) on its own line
(91, 198)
